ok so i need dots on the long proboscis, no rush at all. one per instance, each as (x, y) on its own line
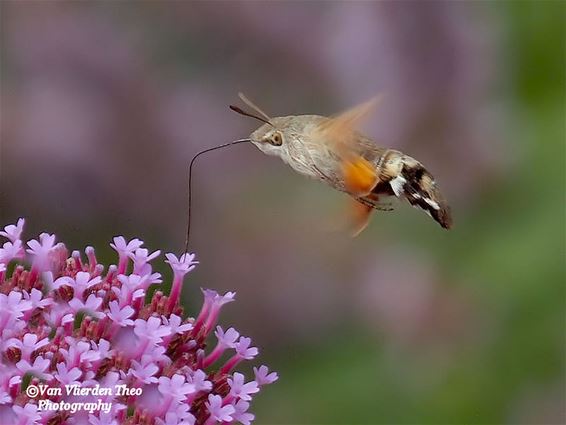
(235, 142)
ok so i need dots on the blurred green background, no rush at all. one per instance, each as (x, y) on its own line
(104, 103)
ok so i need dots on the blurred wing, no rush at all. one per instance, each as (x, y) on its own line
(339, 134)
(359, 217)
(339, 129)
(362, 208)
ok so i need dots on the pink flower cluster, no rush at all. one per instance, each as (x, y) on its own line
(66, 322)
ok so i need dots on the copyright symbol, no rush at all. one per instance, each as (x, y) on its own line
(32, 391)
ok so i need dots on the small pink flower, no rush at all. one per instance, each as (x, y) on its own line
(13, 306)
(151, 329)
(36, 298)
(83, 281)
(124, 250)
(11, 251)
(198, 379)
(61, 281)
(243, 352)
(27, 345)
(28, 414)
(79, 353)
(4, 396)
(120, 316)
(66, 376)
(132, 288)
(241, 390)
(145, 370)
(213, 302)
(225, 340)
(176, 387)
(243, 348)
(241, 414)
(263, 377)
(38, 367)
(180, 415)
(183, 264)
(40, 251)
(14, 231)
(103, 348)
(141, 257)
(175, 326)
(90, 306)
(217, 411)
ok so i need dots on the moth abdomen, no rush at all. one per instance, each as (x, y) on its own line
(421, 191)
(404, 177)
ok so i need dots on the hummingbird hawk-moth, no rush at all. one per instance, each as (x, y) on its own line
(332, 150)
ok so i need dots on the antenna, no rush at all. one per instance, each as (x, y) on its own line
(190, 178)
(247, 114)
(253, 106)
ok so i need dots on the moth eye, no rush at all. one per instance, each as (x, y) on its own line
(276, 139)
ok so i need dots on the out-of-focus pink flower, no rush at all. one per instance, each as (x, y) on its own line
(66, 376)
(263, 377)
(14, 231)
(11, 251)
(40, 251)
(28, 414)
(241, 413)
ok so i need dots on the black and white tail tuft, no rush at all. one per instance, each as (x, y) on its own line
(421, 191)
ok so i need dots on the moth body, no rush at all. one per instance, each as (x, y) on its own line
(331, 150)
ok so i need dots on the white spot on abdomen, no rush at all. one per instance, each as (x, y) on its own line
(432, 203)
(397, 185)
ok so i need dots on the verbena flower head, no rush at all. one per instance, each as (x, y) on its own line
(66, 320)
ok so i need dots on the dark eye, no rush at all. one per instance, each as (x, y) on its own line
(276, 139)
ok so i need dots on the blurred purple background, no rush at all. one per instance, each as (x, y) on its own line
(104, 104)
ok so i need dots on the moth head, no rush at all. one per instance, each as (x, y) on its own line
(268, 138)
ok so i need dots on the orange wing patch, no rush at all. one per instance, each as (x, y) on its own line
(359, 176)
